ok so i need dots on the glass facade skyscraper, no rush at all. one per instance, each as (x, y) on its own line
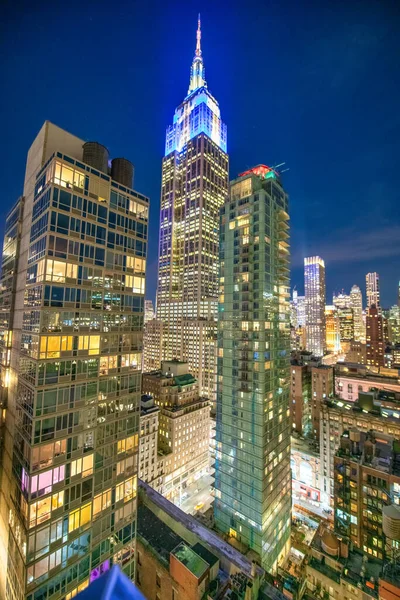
(315, 295)
(72, 305)
(253, 478)
(194, 187)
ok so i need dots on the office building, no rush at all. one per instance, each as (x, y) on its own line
(375, 337)
(377, 411)
(367, 478)
(346, 327)
(194, 187)
(297, 310)
(179, 558)
(332, 329)
(356, 353)
(341, 300)
(252, 480)
(184, 427)
(153, 345)
(151, 464)
(356, 303)
(78, 239)
(394, 325)
(372, 288)
(314, 284)
(149, 313)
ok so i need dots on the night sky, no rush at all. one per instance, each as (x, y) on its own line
(314, 84)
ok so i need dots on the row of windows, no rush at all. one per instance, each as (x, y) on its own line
(58, 271)
(63, 248)
(44, 321)
(98, 299)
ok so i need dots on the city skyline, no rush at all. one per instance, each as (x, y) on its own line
(362, 224)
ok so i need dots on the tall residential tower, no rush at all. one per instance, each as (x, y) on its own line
(72, 303)
(253, 479)
(194, 187)
(314, 286)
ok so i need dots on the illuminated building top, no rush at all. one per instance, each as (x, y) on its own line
(199, 112)
(261, 171)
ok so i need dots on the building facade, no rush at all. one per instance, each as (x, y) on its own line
(356, 303)
(375, 337)
(149, 313)
(151, 465)
(153, 345)
(252, 480)
(338, 416)
(332, 329)
(194, 187)
(71, 365)
(184, 427)
(315, 294)
(373, 290)
(367, 478)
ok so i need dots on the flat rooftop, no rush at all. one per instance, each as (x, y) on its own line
(156, 533)
(190, 559)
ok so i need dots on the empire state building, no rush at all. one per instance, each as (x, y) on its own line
(194, 187)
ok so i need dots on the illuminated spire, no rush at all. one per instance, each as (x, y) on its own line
(197, 71)
(198, 37)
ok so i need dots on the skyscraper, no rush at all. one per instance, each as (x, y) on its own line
(332, 328)
(298, 310)
(148, 311)
(72, 300)
(253, 480)
(372, 286)
(341, 300)
(356, 304)
(194, 187)
(314, 285)
(375, 338)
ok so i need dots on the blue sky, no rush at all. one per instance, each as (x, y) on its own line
(311, 83)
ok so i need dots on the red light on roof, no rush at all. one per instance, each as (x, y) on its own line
(259, 170)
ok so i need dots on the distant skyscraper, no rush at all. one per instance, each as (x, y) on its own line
(341, 300)
(253, 480)
(394, 325)
(375, 338)
(72, 299)
(356, 304)
(298, 309)
(148, 311)
(332, 328)
(346, 327)
(315, 293)
(194, 187)
(373, 293)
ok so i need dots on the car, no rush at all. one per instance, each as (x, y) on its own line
(199, 506)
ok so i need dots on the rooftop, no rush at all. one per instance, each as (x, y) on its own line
(156, 533)
(210, 538)
(190, 559)
(208, 556)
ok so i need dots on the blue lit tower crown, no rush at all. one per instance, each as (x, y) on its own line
(199, 112)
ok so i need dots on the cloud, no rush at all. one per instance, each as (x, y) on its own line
(355, 246)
